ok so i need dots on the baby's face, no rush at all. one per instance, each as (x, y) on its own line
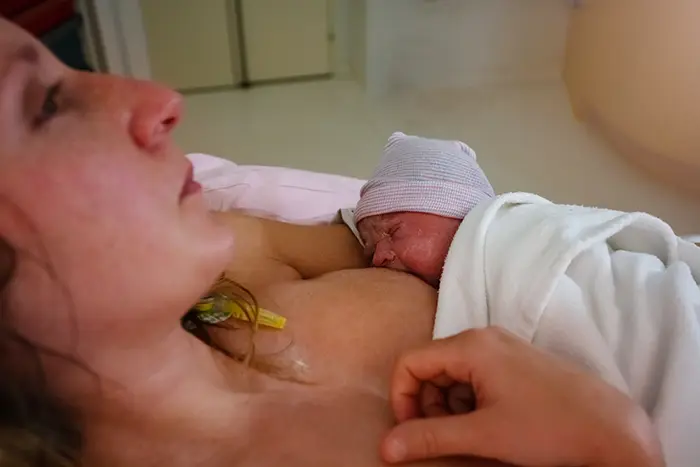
(409, 241)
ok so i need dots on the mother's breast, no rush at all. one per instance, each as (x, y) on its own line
(349, 327)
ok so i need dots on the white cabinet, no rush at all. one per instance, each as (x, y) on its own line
(189, 42)
(197, 43)
(285, 38)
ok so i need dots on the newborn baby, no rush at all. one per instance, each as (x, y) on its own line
(411, 208)
(616, 293)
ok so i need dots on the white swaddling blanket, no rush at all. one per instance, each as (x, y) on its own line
(616, 292)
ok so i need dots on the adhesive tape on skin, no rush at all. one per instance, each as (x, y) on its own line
(214, 310)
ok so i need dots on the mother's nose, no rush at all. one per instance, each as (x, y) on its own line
(156, 111)
(149, 110)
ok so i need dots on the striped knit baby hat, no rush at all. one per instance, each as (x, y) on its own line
(424, 175)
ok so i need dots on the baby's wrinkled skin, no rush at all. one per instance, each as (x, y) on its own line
(412, 242)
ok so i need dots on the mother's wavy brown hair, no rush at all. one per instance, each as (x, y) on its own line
(36, 428)
(237, 293)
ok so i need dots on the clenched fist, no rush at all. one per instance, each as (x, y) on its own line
(486, 393)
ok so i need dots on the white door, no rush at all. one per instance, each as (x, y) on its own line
(285, 38)
(189, 42)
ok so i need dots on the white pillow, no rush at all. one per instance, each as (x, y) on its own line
(290, 195)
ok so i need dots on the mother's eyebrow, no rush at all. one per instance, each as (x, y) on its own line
(27, 53)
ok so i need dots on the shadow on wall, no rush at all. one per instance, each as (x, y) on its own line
(55, 22)
(418, 44)
(633, 74)
(66, 43)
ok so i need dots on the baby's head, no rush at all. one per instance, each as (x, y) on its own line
(411, 208)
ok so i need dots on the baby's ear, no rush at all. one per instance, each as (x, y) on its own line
(466, 149)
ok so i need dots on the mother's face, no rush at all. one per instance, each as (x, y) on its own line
(94, 194)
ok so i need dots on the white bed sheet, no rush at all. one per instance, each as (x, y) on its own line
(290, 195)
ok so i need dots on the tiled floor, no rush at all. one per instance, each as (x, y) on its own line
(526, 139)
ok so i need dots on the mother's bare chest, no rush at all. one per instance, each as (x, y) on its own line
(348, 328)
(327, 427)
(344, 333)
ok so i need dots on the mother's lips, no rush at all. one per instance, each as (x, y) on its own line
(190, 186)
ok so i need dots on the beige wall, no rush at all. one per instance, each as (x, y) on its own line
(633, 72)
(357, 39)
(418, 44)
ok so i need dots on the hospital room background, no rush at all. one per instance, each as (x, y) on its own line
(591, 102)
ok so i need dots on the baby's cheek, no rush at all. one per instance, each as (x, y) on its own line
(420, 256)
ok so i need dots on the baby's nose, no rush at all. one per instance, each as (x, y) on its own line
(383, 255)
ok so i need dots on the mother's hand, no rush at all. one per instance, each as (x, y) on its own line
(528, 408)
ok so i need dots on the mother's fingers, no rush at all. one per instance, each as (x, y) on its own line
(432, 401)
(442, 363)
(439, 401)
(478, 434)
(461, 399)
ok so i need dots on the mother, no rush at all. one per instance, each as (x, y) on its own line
(113, 245)
(106, 243)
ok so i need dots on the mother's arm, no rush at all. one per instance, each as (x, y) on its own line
(311, 250)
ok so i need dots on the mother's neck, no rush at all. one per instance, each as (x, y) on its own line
(170, 389)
